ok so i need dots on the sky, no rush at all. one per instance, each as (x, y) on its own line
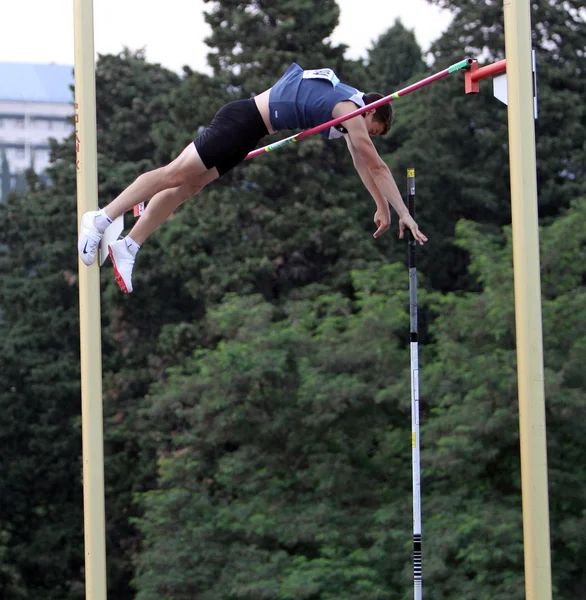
(172, 31)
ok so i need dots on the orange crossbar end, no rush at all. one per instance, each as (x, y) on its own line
(474, 74)
(472, 85)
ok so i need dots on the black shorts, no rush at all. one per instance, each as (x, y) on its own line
(233, 133)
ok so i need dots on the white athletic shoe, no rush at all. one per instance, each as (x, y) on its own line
(89, 238)
(123, 263)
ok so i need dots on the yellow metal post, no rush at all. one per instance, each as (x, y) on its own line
(89, 308)
(528, 300)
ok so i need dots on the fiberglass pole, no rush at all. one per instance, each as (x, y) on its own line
(416, 454)
(89, 309)
(527, 300)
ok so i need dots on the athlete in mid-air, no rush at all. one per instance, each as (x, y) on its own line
(299, 100)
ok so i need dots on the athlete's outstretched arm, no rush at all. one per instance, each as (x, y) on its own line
(381, 175)
(382, 217)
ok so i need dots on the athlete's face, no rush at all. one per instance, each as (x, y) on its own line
(374, 127)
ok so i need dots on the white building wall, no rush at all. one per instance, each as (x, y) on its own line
(25, 129)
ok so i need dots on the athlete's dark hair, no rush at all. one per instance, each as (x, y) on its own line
(383, 114)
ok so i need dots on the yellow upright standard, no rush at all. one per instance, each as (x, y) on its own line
(89, 308)
(528, 300)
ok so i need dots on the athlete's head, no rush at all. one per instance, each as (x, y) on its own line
(380, 119)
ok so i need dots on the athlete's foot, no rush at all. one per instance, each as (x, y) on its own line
(123, 263)
(89, 237)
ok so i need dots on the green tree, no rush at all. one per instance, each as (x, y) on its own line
(393, 59)
(255, 40)
(559, 38)
(41, 524)
(130, 93)
(285, 472)
(280, 440)
(457, 145)
(472, 432)
(134, 125)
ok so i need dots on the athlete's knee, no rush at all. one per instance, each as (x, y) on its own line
(160, 179)
(175, 176)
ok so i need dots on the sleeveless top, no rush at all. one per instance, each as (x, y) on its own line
(304, 99)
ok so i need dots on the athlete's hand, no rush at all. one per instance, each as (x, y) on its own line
(382, 219)
(408, 222)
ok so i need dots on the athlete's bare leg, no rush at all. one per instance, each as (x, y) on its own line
(186, 169)
(164, 203)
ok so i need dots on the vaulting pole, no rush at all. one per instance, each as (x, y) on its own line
(89, 308)
(527, 300)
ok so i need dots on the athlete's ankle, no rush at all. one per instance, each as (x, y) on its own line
(102, 221)
(132, 246)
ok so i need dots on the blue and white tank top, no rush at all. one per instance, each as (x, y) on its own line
(304, 99)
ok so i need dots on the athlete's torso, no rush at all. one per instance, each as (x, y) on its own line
(304, 99)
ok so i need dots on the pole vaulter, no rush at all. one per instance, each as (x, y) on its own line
(463, 64)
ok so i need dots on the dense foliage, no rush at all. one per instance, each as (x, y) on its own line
(256, 383)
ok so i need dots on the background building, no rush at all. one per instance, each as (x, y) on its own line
(36, 103)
